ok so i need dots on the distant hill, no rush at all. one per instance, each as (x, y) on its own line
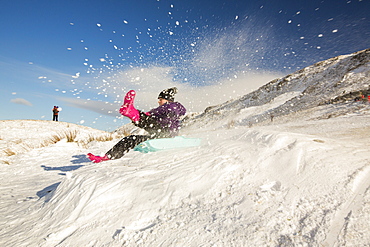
(340, 80)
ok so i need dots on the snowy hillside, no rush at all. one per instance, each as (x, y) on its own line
(337, 80)
(22, 136)
(287, 165)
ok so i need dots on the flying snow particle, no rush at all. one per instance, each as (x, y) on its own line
(290, 21)
(124, 21)
(71, 23)
(177, 23)
(298, 13)
(171, 33)
(236, 17)
(76, 76)
(335, 31)
(82, 121)
(98, 24)
(302, 37)
(69, 49)
(102, 59)
(320, 35)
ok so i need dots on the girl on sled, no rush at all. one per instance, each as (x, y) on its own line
(160, 122)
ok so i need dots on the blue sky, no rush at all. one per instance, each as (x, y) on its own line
(84, 55)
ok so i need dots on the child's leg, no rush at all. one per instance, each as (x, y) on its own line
(151, 125)
(125, 145)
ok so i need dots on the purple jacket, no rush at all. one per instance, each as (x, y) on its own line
(168, 116)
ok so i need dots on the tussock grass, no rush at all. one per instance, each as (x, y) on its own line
(9, 152)
(126, 133)
(54, 139)
(102, 138)
(19, 141)
(5, 162)
(231, 124)
(70, 135)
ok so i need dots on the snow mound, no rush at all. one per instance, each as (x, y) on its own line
(20, 136)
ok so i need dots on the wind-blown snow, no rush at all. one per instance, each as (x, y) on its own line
(300, 178)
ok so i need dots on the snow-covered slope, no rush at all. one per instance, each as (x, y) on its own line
(299, 179)
(336, 80)
(17, 137)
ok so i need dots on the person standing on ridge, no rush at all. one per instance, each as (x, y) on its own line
(55, 113)
(160, 122)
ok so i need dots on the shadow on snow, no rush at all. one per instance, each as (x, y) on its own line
(78, 159)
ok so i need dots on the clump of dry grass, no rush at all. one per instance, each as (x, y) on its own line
(5, 162)
(99, 138)
(9, 152)
(126, 133)
(231, 124)
(70, 135)
(51, 140)
(19, 141)
(54, 139)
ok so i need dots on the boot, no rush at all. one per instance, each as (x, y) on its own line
(128, 109)
(97, 159)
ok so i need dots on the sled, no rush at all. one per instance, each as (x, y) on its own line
(155, 145)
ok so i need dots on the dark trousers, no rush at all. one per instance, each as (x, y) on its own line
(131, 141)
(125, 145)
(55, 117)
